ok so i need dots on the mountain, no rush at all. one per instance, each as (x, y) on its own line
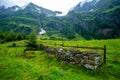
(85, 6)
(23, 19)
(34, 8)
(96, 19)
(9, 9)
(29, 8)
(95, 5)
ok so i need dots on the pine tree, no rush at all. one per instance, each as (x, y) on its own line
(31, 43)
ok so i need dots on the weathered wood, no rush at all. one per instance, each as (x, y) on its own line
(86, 47)
(104, 54)
(100, 48)
(55, 44)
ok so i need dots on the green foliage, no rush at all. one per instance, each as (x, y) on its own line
(7, 37)
(68, 31)
(14, 45)
(84, 33)
(102, 23)
(31, 44)
(15, 67)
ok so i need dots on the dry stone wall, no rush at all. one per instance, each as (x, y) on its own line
(89, 60)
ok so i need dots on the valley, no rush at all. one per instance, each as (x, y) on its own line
(33, 39)
(100, 23)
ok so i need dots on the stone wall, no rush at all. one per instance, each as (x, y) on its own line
(89, 60)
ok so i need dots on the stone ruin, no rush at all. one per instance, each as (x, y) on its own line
(89, 60)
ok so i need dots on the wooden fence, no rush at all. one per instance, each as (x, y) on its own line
(86, 47)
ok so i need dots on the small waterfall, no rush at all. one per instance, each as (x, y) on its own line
(42, 31)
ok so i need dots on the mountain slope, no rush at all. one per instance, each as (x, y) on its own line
(85, 6)
(17, 19)
(34, 8)
(95, 5)
(102, 22)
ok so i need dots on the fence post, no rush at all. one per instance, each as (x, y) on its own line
(77, 46)
(55, 44)
(104, 54)
(62, 44)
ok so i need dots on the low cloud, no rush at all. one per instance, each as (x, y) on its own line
(59, 5)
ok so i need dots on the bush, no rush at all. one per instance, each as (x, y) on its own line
(31, 44)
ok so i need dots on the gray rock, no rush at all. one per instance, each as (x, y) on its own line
(60, 50)
(89, 66)
(79, 64)
(68, 52)
(87, 59)
(98, 60)
(79, 55)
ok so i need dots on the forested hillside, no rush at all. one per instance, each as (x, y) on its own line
(100, 21)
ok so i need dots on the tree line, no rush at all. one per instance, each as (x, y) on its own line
(9, 36)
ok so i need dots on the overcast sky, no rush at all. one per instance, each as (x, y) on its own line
(59, 5)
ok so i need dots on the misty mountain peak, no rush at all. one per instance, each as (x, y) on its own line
(29, 8)
(15, 8)
(35, 8)
(85, 6)
(31, 5)
(3, 9)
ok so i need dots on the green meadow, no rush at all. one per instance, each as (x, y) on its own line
(13, 66)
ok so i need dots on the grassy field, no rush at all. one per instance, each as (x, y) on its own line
(40, 67)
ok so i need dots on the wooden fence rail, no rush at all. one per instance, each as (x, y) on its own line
(86, 47)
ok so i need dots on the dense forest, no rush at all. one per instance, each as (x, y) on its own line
(7, 37)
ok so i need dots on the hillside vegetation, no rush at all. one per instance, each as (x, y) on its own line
(95, 24)
(90, 21)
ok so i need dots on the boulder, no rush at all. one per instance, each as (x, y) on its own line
(89, 66)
